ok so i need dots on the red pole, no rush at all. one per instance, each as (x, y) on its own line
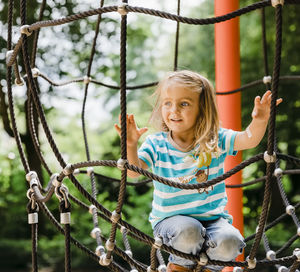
(227, 69)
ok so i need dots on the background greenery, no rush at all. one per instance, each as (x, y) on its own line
(64, 53)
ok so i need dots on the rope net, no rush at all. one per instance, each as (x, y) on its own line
(106, 246)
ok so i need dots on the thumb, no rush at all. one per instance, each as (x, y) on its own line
(143, 130)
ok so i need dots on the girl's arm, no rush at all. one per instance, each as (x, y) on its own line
(133, 135)
(253, 134)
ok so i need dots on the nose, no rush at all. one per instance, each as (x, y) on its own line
(174, 109)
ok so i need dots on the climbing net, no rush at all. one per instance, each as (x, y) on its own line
(39, 196)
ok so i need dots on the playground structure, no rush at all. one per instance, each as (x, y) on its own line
(39, 196)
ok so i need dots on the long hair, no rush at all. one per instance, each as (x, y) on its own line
(207, 126)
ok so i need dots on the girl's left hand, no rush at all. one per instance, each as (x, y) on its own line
(261, 109)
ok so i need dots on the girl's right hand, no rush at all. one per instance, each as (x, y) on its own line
(133, 132)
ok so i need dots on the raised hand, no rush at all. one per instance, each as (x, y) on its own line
(133, 132)
(261, 111)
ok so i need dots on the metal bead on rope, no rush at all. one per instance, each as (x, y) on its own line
(121, 164)
(269, 158)
(94, 232)
(20, 83)
(283, 269)
(267, 79)
(99, 250)
(109, 245)
(271, 255)
(115, 217)
(296, 253)
(277, 2)
(122, 9)
(104, 261)
(35, 72)
(25, 30)
(68, 170)
(251, 262)
(290, 209)
(91, 208)
(203, 260)
(278, 172)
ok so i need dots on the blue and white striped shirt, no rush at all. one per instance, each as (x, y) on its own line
(167, 161)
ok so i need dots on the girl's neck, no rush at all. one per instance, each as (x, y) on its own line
(182, 142)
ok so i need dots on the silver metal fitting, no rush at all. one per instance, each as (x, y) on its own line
(89, 171)
(115, 217)
(94, 232)
(9, 53)
(237, 269)
(271, 255)
(55, 182)
(149, 269)
(251, 263)
(203, 259)
(296, 252)
(122, 9)
(105, 261)
(121, 164)
(65, 218)
(25, 30)
(35, 72)
(76, 172)
(68, 170)
(30, 175)
(86, 79)
(158, 242)
(33, 218)
(162, 268)
(290, 209)
(267, 79)
(91, 208)
(277, 2)
(123, 229)
(269, 158)
(33, 182)
(109, 245)
(283, 269)
(19, 83)
(129, 253)
(99, 250)
(278, 172)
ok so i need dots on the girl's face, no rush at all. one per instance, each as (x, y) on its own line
(180, 109)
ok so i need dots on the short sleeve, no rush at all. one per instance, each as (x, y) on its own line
(146, 152)
(226, 140)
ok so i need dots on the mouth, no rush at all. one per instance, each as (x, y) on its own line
(175, 120)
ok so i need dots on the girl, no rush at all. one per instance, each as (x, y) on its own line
(191, 147)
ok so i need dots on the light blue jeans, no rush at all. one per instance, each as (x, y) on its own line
(218, 238)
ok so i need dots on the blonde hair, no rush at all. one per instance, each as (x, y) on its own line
(207, 126)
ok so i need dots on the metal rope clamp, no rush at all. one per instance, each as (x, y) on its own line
(68, 170)
(271, 255)
(290, 209)
(9, 54)
(269, 158)
(203, 259)
(267, 79)
(32, 208)
(104, 261)
(158, 242)
(121, 164)
(87, 79)
(19, 83)
(251, 263)
(115, 217)
(99, 250)
(162, 268)
(296, 252)
(35, 72)
(94, 232)
(122, 9)
(277, 2)
(25, 30)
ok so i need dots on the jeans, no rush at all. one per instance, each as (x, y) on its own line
(218, 238)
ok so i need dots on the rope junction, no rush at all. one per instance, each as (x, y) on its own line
(38, 196)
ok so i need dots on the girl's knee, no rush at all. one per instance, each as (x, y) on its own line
(226, 247)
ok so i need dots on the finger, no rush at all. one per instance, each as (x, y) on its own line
(143, 130)
(266, 97)
(278, 101)
(257, 100)
(118, 129)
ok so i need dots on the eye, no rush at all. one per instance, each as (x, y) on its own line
(184, 104)
(167, 103)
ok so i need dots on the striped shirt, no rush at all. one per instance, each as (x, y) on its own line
(167, 161)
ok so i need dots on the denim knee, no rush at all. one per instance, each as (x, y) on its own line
(226, 246)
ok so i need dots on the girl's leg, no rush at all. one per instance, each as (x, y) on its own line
(183, 233)
(223, 241)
